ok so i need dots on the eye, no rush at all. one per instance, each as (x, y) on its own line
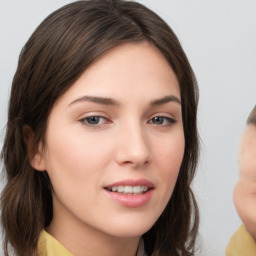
(94, 120)
(162, 120)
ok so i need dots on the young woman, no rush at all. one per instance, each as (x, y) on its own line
(101, 143)
(243, 241)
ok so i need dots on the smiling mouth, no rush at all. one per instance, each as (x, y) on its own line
(129, 190)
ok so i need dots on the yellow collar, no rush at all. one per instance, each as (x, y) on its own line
(49, 246)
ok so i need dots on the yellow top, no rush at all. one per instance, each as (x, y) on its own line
(241, 244)
(49, 246)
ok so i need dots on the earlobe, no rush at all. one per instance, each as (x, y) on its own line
(37, 162)
(35, 154)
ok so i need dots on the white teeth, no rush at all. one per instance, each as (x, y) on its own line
(120, 189)
(114, 189)
(136, 190)
(130, 189)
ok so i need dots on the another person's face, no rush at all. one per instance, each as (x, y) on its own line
(115, 143)
(247, 157)
(245, 190)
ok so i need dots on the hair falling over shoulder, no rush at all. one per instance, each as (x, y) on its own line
(56, 54)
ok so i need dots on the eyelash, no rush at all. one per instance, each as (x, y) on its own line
(166, 121)
(85, 120)
(100, 120)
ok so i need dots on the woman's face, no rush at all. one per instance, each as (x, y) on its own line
(115, 143)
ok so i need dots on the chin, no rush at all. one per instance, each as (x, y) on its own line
(131, 230)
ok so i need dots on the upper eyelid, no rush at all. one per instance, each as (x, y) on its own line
(163, 114)
(84, 121)
(93, 113)
(100, 116)
(166, 117)
(170, 121)
(102, 113)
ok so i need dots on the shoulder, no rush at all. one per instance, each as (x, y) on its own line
(241, 243)
(49, 246)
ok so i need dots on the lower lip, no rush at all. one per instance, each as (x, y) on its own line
(132, 200)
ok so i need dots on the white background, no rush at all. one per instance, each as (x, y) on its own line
(219, 37)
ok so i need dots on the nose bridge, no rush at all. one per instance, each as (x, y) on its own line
(134, 145)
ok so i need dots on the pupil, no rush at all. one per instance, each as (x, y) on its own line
(93, 120)
(158, 120)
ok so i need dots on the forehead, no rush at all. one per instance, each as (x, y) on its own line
(137, 69)
(129, 74)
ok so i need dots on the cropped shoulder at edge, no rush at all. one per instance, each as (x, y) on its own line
(241, 244)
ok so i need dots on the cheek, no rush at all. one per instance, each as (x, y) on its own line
(247, 164)
(74, 146)
(73, 170)
(72, 158)
(245, 202)
(171, 152)
(169, 158)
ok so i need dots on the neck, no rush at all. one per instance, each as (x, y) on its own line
(81, 239)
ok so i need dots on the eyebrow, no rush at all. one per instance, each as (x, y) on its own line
(166, 99)
(98, 100)
(113, 102)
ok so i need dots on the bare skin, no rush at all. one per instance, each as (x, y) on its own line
(245, 189)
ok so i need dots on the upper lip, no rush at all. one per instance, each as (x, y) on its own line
(131, 182)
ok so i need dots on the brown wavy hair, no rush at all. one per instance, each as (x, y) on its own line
(66, 43)
(252, 117)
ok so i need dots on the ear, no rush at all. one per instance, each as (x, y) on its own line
(35, 154)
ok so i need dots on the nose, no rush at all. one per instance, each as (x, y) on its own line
(133, 146)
